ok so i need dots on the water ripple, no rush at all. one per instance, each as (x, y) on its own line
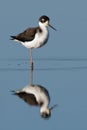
(44, 64)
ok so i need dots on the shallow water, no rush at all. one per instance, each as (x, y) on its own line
(64, 78)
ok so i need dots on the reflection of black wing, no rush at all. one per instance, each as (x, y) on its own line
(29, 98)
(27, 35)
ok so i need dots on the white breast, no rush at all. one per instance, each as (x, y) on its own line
(39, 40)
(40, 95)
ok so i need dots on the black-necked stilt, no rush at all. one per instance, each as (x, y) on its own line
(34, 37)
(36, 95)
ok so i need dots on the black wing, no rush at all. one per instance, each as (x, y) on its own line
(27, 35)
(29, 98)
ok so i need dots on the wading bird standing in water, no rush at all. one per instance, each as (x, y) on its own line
(34, 37)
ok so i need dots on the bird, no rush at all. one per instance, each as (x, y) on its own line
(34, 37)
(36, 95)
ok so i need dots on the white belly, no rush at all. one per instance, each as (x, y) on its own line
(40, 95)
(39, 40)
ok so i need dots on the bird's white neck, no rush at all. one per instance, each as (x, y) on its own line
(43, 26)
(44, 107)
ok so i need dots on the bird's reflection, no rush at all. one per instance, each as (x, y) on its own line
(36, 95)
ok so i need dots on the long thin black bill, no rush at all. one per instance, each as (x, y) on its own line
(53, 106)
(53, 27)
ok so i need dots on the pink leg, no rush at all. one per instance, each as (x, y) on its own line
(31, 60)
(31, 67)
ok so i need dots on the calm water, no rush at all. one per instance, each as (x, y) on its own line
(60, 66)
(66, 81)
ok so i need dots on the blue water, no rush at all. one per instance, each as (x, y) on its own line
(60, 66)
(65, 79)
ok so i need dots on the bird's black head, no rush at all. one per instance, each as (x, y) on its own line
(46, 115)
(43, 19)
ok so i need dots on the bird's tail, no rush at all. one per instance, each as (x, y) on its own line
(13, 37)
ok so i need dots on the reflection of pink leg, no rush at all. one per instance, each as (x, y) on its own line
(31, 77)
